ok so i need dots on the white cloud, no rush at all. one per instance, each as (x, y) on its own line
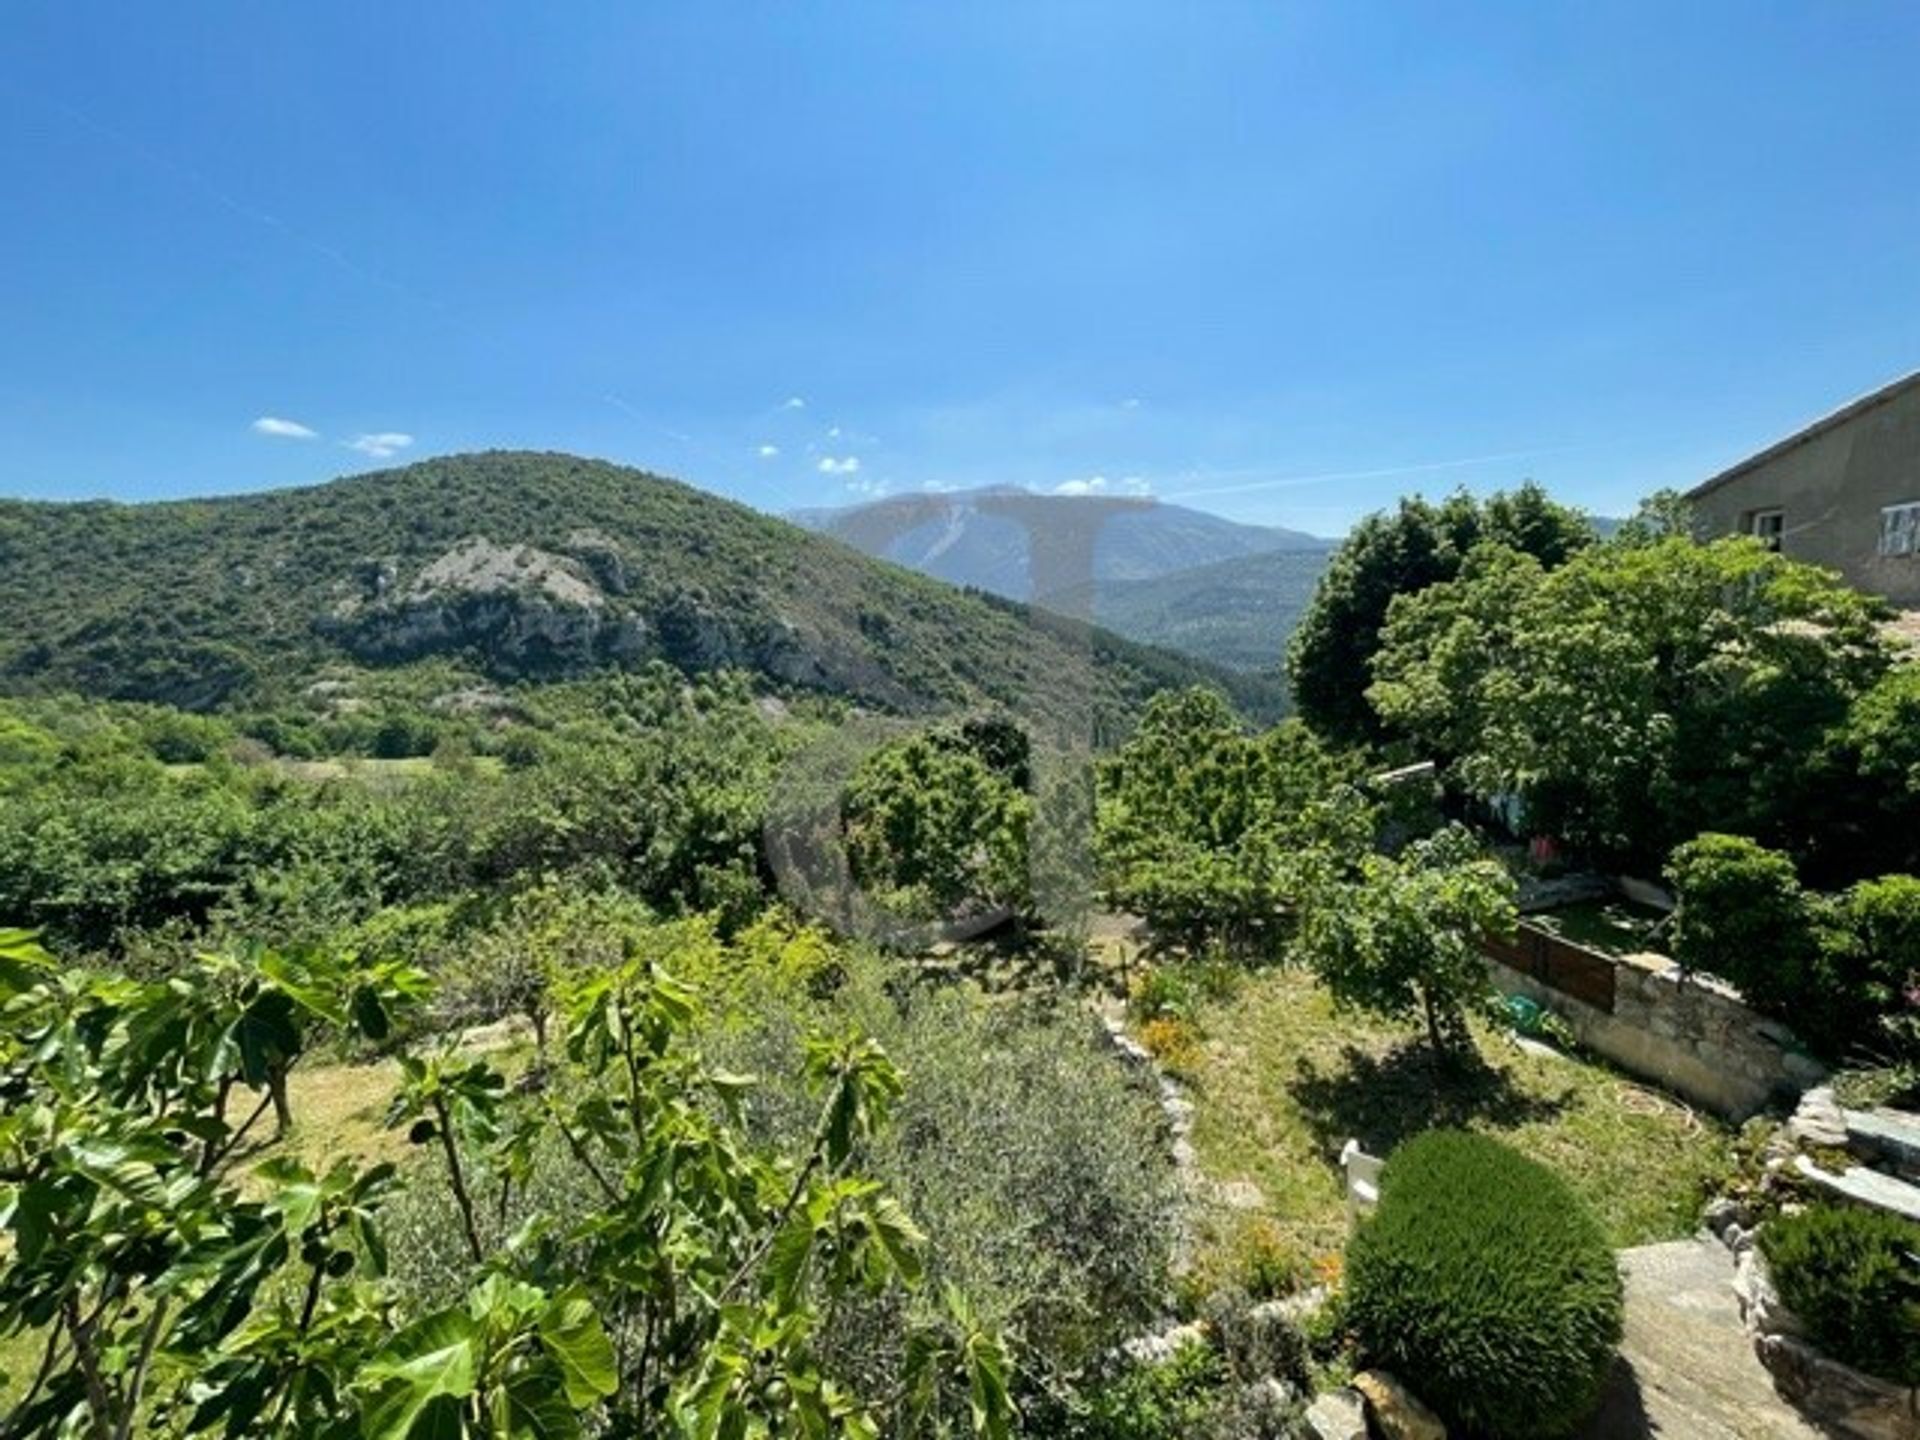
(283, 429)
(872, 489)
(1101, 485)
(793, 402)
(380, 444)
(840, 465)
(833, 432)
(1132, 402)
(767, 452)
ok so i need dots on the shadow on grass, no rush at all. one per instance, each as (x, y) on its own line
(1381, 1100)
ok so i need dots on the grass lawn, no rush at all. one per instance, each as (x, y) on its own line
(1280, 1083)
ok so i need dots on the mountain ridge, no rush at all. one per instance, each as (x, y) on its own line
(526, 565)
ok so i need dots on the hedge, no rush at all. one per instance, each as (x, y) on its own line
(1483, 1282)
(1853, 1278)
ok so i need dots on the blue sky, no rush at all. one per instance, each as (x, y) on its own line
(1286, 260)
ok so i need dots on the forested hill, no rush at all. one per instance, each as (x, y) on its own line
(1238, 613)
(524, 565)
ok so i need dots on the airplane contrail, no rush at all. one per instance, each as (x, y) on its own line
(187, 175)
(1279, 482)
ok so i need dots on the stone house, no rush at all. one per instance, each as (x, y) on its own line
(1843, 493)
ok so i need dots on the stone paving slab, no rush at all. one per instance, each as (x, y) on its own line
(1893, 1134)
(1687, 1370)
(1865, 1187)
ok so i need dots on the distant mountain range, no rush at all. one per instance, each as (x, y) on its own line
(1159, 573)
(993, 539)
(522, 566)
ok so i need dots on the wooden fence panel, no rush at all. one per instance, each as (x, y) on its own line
(1586, 975)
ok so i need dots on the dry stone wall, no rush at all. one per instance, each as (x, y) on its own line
(1686, 1033)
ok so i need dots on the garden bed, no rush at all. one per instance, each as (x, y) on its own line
(1611, 925)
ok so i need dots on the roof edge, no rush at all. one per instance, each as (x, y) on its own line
(1832, 420)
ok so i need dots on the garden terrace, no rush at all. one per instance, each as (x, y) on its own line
(1281, 1080)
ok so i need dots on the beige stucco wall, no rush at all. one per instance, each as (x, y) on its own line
(1832, 488)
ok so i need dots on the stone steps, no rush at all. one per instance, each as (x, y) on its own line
(1864, 1187)
(1891, 1136)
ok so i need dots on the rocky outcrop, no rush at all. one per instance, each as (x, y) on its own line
(524, 611)
(478, 567)
(512, 633)
(519, 609)
(603, 558)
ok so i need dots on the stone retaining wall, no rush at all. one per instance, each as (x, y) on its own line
(1685, 1033)
(1841, 1400)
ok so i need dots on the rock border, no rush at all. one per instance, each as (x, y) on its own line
(1836, 1397)
(1176, 1111)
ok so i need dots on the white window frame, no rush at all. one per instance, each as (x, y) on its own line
(1900, 529)
(1774, 535)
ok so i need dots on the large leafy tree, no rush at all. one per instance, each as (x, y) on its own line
(1865, 794)
(1200, 823)
(1400, 935)
(1440, 647)
(1636, 688)
(938, 825)
(173, 1294)
(1402, 553)
(1843, 970)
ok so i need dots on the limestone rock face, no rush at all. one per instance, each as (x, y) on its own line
(524, 611)
(1395, 1409)
(521, 609)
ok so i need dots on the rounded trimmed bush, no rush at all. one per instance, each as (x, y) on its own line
(1853, 1278)
(1484, 1283)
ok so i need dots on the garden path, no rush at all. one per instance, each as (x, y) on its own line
(1687, 1370)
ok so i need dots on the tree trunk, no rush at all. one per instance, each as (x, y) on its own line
(282, 1108)
(1434, 1040)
